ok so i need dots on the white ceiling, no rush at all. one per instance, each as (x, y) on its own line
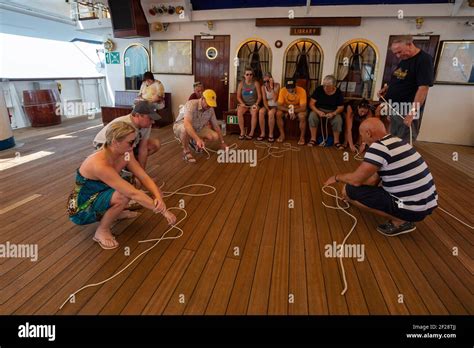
(43, 19)
(55, 7)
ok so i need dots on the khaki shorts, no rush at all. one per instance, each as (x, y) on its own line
(205, 132)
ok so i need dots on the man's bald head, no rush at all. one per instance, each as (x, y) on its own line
(371, 130)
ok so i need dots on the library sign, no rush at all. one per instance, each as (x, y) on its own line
(305, 31)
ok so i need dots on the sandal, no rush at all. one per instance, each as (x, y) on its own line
(271, 139)
(312, 143)
(339, 146)
(187, 157)
(241, 137)
(104, 246)
(261, 138)
(248, 137)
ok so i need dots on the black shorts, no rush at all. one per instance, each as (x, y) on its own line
(377, 198)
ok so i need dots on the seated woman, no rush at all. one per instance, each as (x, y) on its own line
(270, 91)
(356, 112)
(248, 96)
(101, 194)
(152, 91)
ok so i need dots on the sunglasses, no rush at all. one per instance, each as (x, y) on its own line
(248, 74)
(266, 81)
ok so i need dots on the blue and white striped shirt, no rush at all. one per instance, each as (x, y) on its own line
(404, 173)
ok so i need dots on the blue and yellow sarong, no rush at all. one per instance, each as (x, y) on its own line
(89, 201)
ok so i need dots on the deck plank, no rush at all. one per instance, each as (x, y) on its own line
(281, 249)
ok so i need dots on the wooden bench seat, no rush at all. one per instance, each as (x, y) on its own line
(124, 104)
(292, 130)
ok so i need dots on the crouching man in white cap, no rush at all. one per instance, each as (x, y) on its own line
(190, 126)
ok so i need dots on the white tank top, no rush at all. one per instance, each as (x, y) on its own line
(269, 96)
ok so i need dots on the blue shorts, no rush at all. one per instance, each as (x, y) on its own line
(377, 198)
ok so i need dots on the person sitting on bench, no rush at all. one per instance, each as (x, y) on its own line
(198, 88)
(152, 91)
(249, 97)
(270, 91)
(356, 113)
(190, 126)
(393, 181)
(292, 103)
(326, 101)
(101, 195)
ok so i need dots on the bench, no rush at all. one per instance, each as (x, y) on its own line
(292, 130)
(124, 104)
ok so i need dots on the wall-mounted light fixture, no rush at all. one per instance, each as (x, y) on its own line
(419, 22)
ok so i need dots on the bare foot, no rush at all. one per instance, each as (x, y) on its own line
(281, 139)
(105, 239)
(127, 214)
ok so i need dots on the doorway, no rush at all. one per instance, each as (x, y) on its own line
(211, 67)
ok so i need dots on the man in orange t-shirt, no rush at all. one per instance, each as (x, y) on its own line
(292, 102)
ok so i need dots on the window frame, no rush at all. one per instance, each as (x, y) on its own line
(123, 60)
(375, 65)
(318, 79)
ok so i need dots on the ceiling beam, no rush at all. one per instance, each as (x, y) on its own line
(312, 21)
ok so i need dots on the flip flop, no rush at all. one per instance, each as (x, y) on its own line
(312, 143)
(103, 246)
(261, 138)
(249, 137)
(187, 157)
(271, 140)
(241, 137)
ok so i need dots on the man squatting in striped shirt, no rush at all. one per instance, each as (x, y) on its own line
(393, 181)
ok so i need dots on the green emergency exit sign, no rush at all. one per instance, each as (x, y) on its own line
(112, 57)
(232, 119)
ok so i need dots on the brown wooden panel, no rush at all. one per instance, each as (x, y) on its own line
(128, 19)
(212, 72)
(310, 21)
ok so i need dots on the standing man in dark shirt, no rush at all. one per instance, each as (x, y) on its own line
(408, 87)
(326, 101)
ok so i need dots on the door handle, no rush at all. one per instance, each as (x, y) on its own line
(225, 80)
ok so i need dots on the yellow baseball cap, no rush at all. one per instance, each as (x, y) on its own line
(210, 97)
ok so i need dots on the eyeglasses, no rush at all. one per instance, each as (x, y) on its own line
(266, 81)
(248, 74)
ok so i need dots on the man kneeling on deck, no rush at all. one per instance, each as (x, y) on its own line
(190, 126)
(141, 118)
(407, 192)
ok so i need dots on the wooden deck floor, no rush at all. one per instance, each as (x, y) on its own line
(244, 251)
